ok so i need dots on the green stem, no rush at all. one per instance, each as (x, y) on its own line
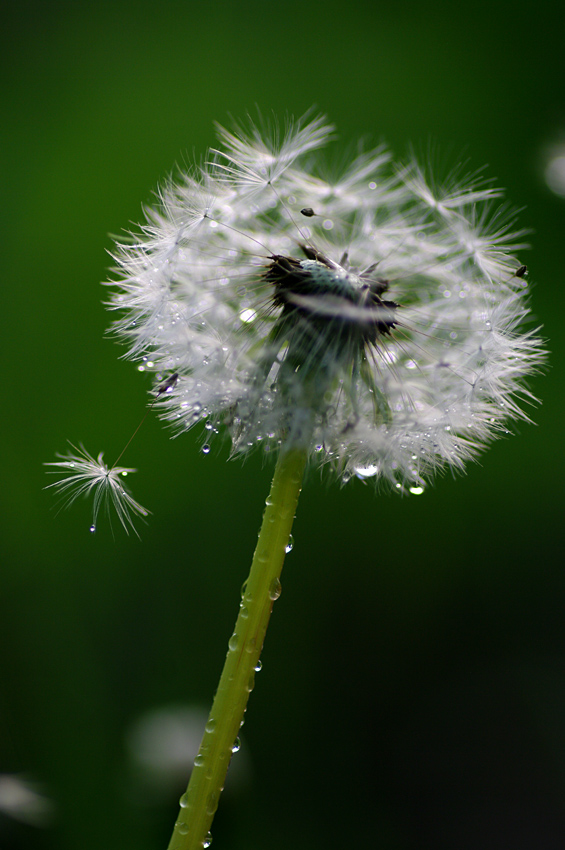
(200, 801)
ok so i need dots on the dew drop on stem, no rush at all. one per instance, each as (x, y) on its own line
(275, 589)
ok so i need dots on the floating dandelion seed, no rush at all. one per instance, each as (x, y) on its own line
(85, 475)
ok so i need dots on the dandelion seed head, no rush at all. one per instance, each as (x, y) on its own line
(375, 318)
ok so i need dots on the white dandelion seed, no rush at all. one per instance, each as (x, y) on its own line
(84, 475)
(380, 328)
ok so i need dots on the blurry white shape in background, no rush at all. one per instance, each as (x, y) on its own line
(22, 801)
(555, 169)
(162, 745)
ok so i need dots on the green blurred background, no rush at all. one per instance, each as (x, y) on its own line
(413, 689)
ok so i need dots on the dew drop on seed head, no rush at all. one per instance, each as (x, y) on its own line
(206, 449)
(366, 471)
(290, 545)
(92, 529)
(416, 491)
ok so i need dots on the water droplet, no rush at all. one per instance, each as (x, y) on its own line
(181, 828)
(258, 667)
(243, 611)
(236, 746)
(92, 529)
(290, 545)
(275, 589)
(212, 802)
(199, 760)
(183, 802)
(366, 471)
(205, 449)
(416, 491)
(207, 840)
(247, 316)
(233, 642)
(210, 726)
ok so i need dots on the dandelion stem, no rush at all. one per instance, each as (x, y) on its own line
(262, 587)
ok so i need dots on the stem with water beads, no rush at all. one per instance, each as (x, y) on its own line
(262, 587)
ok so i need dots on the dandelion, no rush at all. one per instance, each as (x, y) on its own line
(372, 320)
(372, 323)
